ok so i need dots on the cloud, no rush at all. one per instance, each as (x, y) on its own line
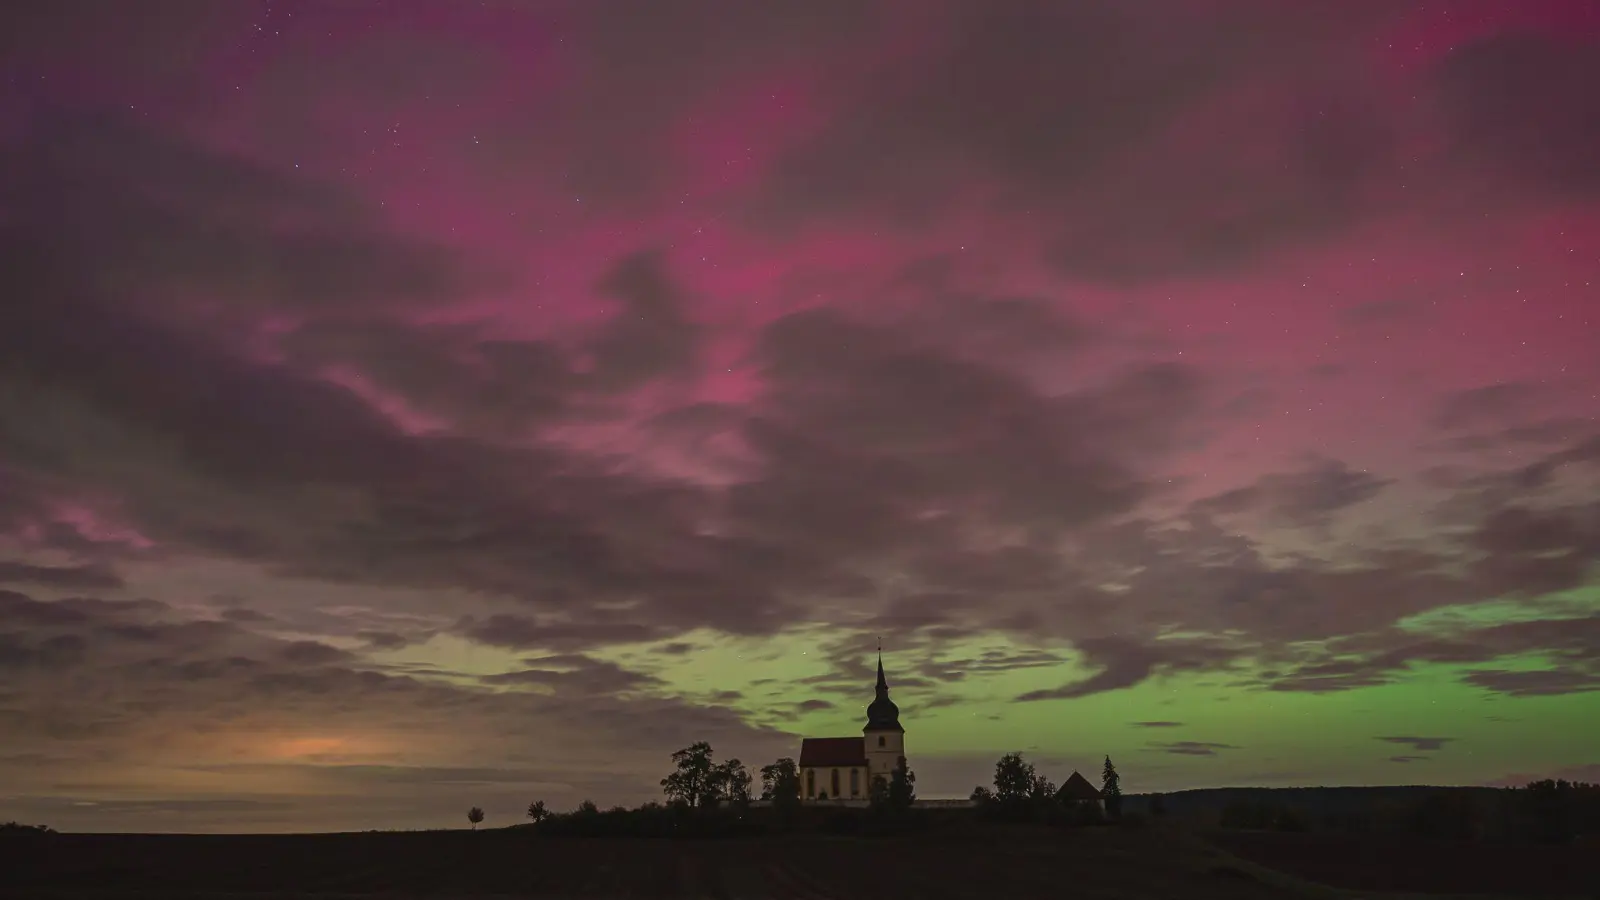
(1485, 86)
(1409, 759)
(1060, 120)
(1536, 551)
(1492, 404)
(75, 578)
(1124, 664)
(1420, 743)
(649, 336)
(1307, 498)
(144, 676)
(160, 211)
(1537, 683)
(1158, 724)
(1380, 657)
(1193, 748)
(573, 673)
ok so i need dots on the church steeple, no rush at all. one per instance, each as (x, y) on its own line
(882, 715)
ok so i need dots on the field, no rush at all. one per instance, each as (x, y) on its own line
(1395, 863)
(977, 863)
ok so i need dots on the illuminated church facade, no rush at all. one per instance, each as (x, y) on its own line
(841, 769)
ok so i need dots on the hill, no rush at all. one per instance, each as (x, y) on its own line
(1315, 802)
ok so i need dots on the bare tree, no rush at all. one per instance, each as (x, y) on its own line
(537, 811)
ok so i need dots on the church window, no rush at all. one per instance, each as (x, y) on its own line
(881, 741)
(811, 782)
(855, 782)
(836, 782)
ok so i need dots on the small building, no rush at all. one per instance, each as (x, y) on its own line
(1077, 790)
(842, 768)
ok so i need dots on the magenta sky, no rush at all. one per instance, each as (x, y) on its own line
(426, 402)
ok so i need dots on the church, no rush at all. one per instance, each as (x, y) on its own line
(842, 768)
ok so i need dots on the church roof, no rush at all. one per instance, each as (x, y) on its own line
(833, 751)
(1076, 787)
(882, 714)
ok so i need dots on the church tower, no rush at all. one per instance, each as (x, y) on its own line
(883, 738)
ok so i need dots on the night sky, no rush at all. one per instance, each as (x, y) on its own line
(418, 404)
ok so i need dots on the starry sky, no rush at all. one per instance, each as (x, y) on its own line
(415, 404)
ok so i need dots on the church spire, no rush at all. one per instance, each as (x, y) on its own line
(882, 715)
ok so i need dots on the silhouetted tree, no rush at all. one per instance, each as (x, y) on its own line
(587, 808)
(1444, 814)
(694, 781)
(537, 811)
(732, 783)
(981, 796)
(475, 815)
(878, 792)
(902, 787)
(1013, 780)
(1111, 789)
(1043, 790)
(1558, 810)
(780, 783)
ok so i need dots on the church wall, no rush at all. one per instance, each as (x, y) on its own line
(816, 780)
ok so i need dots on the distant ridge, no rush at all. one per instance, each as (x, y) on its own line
(1311, 800)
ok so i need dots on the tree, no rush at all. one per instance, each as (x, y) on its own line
(537, 811)
(895, 793)
(902, 787)
(878, 793)
(475, 815)
(694, 780)
(1042, 790)
(1111, 789)
(981, 796)
(1557, 809)
(780, 783)
(1013, 780)
(732, 783)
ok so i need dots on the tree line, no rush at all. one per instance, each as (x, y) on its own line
(1021, 793)
(704, 797)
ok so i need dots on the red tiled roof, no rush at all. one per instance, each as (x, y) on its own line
(1078, 788)
(839, 751)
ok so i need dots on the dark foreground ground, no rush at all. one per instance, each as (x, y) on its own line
(981, 863)
(1408, 864)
